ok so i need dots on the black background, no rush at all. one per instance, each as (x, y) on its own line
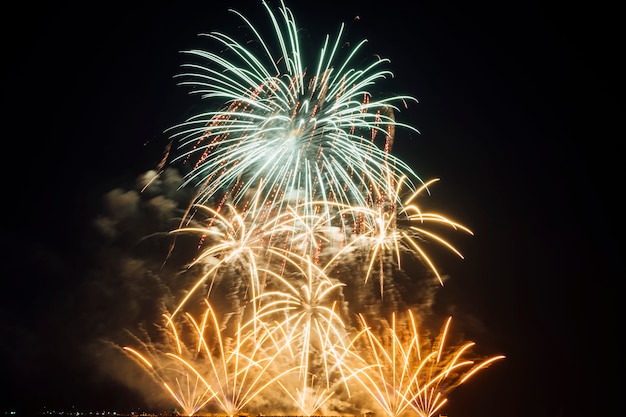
(512, 109)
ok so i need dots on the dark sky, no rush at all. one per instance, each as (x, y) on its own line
(506, 93)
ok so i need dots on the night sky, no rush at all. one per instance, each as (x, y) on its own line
(506, 96)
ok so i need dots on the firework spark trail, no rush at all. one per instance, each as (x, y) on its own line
(294, 171)
(415, 215)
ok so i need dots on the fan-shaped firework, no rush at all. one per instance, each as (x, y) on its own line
(173, 367)
(229, 370)
(400, 377)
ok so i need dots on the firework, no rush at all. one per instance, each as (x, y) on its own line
(314, 328)
(292, 130)
(379, 234)
(400, 377)
(228, 369)
(296, 194)
(172, 367)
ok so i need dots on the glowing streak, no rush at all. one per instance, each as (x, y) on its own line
(140, 356)
(481, 366)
